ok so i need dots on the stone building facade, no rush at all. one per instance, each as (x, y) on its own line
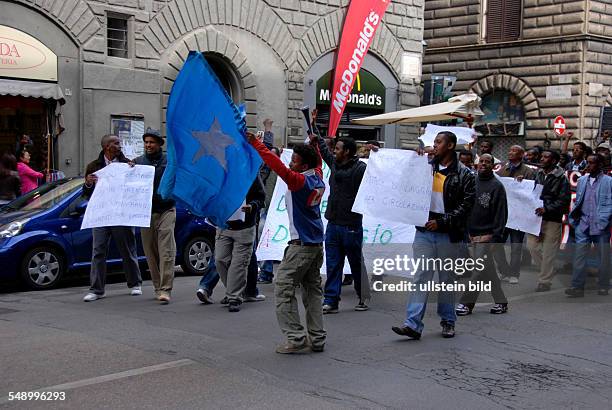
(269, 53)
(558, 63)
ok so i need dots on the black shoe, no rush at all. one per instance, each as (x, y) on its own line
(224, 301)
(543, 287)
(329, 309)
(406, 331)
(574, 292)
(448, 330)
(348, 280)
(362, 306)
(499, 308)
(603, 292)
(234, 306)
(317, 349)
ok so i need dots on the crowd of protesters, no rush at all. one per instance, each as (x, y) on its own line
(469, 207)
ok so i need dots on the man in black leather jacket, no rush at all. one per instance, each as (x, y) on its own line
(451, 203)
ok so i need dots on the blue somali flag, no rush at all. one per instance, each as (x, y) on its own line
(211, 166)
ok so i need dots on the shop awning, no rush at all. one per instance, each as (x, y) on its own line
(466, 106)
(32, 89)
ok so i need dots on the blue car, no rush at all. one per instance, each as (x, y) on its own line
(41, 239)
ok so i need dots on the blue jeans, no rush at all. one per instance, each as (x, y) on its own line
(583, 245)
(431, 245)
(341, 242)
(210, 278)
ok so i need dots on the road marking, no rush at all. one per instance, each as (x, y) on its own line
(110, 377)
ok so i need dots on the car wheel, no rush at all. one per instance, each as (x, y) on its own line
(197, 255)
(42, 268)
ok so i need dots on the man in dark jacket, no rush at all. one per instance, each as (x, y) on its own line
(234, 246)
(344, 232)
(514, 168)
(556, 198)
(158, 240)
(451, 203)
(124, 236)
(486, 226)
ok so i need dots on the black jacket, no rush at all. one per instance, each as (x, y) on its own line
(459, 193)
(159, 161)
(97, 165)
(344, 182)
(490, 212)
(255, 197)
(555, 194)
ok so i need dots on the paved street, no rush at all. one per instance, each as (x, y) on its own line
(129, 352)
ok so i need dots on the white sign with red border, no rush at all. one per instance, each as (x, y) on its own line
(559, 125)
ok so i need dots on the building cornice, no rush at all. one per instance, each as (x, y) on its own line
(519, 43)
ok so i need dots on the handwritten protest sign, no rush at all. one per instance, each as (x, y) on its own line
(523, 200)
(123, 197)
(396, 187)
(275, 234)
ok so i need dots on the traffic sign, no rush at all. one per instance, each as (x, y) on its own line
(559, 125)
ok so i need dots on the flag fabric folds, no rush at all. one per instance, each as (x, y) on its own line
(211, 165)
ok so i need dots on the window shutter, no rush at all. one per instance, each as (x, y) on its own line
(503, 20)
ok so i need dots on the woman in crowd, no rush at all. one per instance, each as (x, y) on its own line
(10, 184)
(29, 177)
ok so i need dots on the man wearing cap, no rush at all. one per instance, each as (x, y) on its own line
(158, 240)
(603, 149)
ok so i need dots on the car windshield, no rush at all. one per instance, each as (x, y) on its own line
(45, 196)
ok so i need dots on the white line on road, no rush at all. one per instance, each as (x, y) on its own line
(111, 377)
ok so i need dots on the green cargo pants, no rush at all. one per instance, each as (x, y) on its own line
(300, 268)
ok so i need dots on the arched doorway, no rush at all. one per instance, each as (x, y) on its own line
(374, 93)
(227, 76)
(503, 122)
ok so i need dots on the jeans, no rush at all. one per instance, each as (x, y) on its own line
(583, 245)
(210, 278)
(516, 252)
(341, 242)
(431, 245)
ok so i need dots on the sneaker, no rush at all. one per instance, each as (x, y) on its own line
(164, 299)
(90, 297)
(328, 309)
(362, 306)
(224, 301)
(463, 310)
(574, 292)
(448, 330)
(260, 297)
(264, 278)
(348, 280)
(513, 280)
(504, 278)
(234, 306)
(136, 291)
(406, 331)
(543, 287)
(204, 297)
(290, 348)
(603, 292)
(499, 308)
(317, 348)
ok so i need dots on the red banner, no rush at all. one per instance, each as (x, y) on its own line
(362, 20)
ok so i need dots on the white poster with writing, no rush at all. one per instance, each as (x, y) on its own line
(275, 234)
(396, 187)
(123, 197)
(523, 199)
